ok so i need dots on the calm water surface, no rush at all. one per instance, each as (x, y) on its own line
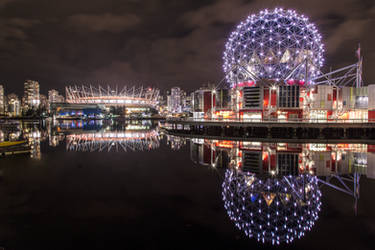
(128, 186)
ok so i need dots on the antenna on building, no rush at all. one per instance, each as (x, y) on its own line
(359, 67)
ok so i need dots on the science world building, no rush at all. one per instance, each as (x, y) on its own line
(273, 65)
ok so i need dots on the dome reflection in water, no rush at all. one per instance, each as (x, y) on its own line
(272, 209)
(271, 190)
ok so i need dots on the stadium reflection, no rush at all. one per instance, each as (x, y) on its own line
(271, 191)
(78, 135)
(96, 136)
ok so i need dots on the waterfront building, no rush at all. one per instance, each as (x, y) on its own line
(183, 96)
(174, 102)
(55, 97)
(321, 103)
(2, 100)
(14, 105)
(31, 98)
(187, 103)
(274, 74)
(71, 110)
(169, 102)
(162, 101)
(203, 102)
(43, 102)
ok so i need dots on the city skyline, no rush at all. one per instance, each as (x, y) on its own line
(121, 43)
(213, 124)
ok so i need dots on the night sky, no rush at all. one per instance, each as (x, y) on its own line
(158, 43)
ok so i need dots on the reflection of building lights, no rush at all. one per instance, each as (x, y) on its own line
(144, 140)
(271, 210)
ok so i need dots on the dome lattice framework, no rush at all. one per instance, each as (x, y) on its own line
(272, 210)
(273, 45)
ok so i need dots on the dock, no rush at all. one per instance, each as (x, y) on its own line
(14, 147)
(300, 130)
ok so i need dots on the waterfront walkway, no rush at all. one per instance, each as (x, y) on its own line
(273, 129)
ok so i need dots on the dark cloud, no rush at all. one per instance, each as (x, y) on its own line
(4, 2)
(155, 42)
(102, 22)
(14, 39)
(15, 28)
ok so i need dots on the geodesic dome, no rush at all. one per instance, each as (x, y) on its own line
(272, 210)
(270, 45)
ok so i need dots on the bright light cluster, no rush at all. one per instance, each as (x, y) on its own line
(113, 97)
(271, 45)
(113, 140)
(272, 210)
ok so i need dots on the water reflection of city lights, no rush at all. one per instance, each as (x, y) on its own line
(113, 140)
(271, 191)
(272, 210)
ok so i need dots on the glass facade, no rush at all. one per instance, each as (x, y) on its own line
(289, 96)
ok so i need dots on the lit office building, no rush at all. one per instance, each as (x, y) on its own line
(31, 95)
(43, 102)
(54, 97)
(174, 102)
(187, 103)
(169, 101)
(14, 105)
(203, 103)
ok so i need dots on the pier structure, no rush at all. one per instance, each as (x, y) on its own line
(334, 130)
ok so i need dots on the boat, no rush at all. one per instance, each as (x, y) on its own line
(11, 143)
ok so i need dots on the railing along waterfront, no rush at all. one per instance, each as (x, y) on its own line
(249, 120)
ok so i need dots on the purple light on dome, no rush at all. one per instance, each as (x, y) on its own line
(284, 213)
(272, 43)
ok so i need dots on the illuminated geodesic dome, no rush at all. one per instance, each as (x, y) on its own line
(272, 210)
(273, 45)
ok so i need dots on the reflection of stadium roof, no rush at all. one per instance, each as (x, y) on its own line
(273, 210)
(101, 141)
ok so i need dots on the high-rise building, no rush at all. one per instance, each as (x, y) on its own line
(174, 104)
(43, 102)
(187, 103)
(183, 99)
(54, 96)
(14, 105)
(31, 95)
(2, 100)
(168, 101)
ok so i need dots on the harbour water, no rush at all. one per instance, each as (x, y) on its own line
(128, 185)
